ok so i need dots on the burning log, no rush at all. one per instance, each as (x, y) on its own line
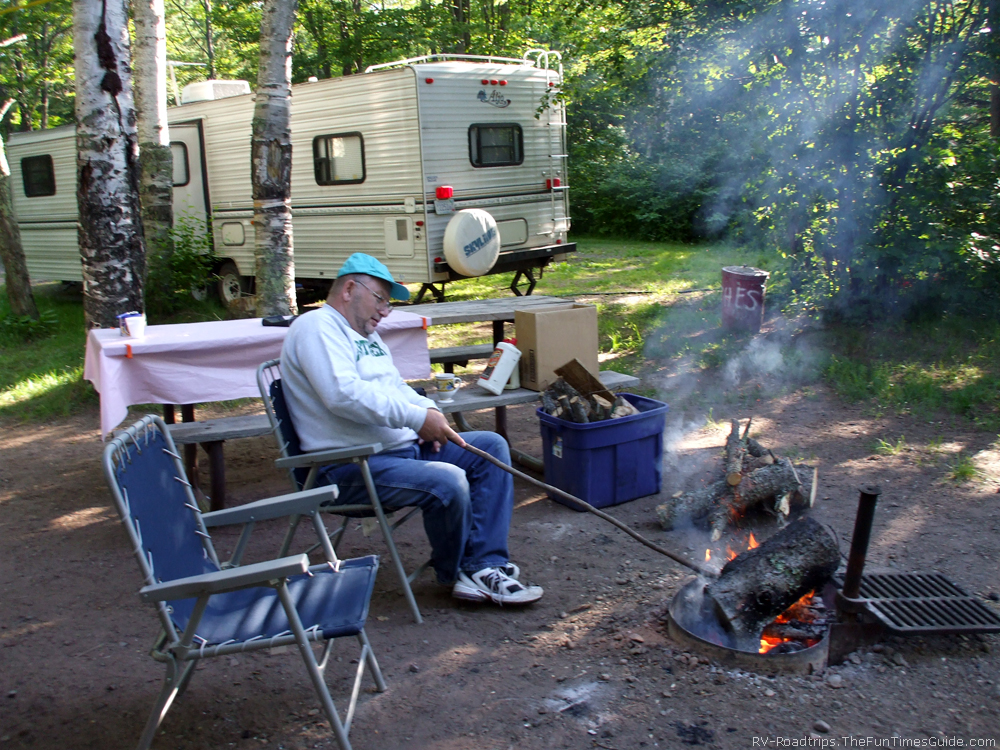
(720, 504)
(779, 481)
(690, 505)
(755, 587)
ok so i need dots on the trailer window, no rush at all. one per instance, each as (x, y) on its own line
(339, 159)
(500, 145)
(182, 175)
(39, 176)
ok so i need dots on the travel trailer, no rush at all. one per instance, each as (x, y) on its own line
(443, 167)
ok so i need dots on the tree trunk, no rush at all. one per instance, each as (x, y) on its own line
(155, 160)
(22, 301)
(110, 229)
(271, 162)
(209, 39)
(757, 586)
(993, 19)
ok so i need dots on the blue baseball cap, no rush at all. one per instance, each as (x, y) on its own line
(366, 264)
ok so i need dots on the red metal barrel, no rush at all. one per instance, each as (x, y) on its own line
(743, 290)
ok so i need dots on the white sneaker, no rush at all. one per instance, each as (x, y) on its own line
(494, 584)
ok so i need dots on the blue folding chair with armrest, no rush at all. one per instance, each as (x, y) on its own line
(210, 609)
(303, 468)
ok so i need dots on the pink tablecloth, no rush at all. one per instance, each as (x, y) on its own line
(215, 361)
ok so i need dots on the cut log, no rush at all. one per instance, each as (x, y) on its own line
(583, 380)
(752, 463)
(757, 586)
(691, 506)
(765, 486)
(735, 450)
(549, 402)
(581, 409)
(760, 487)
(757, 450)
(623, 408)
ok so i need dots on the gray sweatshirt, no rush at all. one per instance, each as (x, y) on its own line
(342, 388)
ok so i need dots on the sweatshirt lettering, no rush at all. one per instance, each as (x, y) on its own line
(368, 349)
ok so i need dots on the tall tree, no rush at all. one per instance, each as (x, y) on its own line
(110, 230)
(271, 162)
(22, 301)
(155, 159)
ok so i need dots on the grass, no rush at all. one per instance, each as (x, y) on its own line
(42, 378)
(637, 287)
(950, 365)
(962, 469)
(658, 304)
(887, 448)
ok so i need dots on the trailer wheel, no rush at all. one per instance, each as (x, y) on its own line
(230, 285)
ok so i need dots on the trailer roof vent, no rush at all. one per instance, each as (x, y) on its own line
(206, 91)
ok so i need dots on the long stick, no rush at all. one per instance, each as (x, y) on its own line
(587, 506)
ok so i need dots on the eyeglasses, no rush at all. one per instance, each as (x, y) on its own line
(381, 303)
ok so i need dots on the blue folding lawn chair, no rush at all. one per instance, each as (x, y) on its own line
(210, 609)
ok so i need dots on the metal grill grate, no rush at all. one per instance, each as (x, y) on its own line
(908, 603)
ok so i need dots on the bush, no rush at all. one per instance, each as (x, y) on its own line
(175, 273)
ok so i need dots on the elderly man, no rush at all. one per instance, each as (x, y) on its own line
(342, 389)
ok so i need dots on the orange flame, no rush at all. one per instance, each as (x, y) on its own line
(795, 612)
(708, 555)
(753, 542)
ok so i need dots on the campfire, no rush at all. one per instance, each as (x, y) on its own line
(754, 478)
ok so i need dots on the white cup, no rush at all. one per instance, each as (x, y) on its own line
(134, 326)
(447, 383)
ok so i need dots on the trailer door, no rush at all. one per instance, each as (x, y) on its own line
(190, 181)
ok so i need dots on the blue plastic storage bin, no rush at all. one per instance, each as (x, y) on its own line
(608, 462)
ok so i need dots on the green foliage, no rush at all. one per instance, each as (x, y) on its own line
(43, 377)
(951, 364)
(38, 71)
(888, 448)
(174, 273)
(22, 328)
(962, 469)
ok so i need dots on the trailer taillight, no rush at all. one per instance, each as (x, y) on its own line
(419, 223)
(494, 82)
(444, 192)
(485, 81)
(503, 83)
(428, 80)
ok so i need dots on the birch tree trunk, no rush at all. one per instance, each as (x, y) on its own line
(155, 160)
(22, 301)
(271, 162)
(110, 229)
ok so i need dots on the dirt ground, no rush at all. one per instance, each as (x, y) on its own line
(590, 665)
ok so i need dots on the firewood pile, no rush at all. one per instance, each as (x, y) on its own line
(578, 396)
(753, 478)
(563, 401)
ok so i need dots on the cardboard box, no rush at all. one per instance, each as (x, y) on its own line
(551, 336)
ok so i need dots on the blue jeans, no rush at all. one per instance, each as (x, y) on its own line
(466, 501)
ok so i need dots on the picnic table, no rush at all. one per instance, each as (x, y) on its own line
(189, 363)
(473, 398)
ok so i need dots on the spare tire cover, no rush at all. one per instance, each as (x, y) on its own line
(472, 242)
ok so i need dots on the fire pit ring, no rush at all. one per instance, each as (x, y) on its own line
(687, 605)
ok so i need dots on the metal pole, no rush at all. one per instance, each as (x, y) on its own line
(867, 501)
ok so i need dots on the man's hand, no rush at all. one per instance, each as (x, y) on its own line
(436, 430)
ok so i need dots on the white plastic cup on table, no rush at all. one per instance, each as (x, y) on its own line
(447, 383)
(133, 325)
